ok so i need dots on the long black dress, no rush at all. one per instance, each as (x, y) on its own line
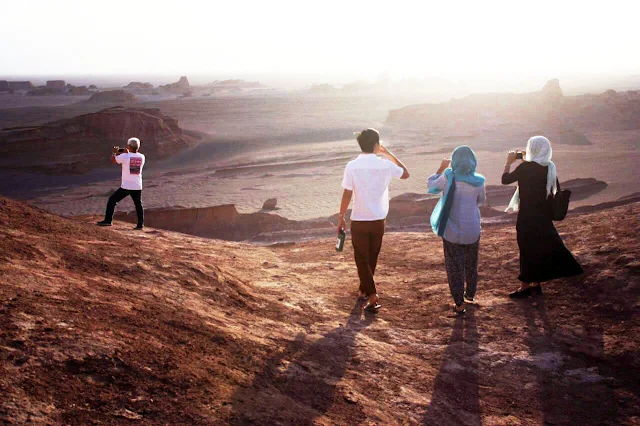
(543, 255)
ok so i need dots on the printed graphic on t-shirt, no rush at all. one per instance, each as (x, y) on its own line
(134, 165)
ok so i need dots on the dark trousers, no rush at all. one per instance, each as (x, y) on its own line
(366, 237)
(461, 261)
(119, 195)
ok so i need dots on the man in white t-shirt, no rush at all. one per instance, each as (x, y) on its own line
(132, 163)
(367, 179)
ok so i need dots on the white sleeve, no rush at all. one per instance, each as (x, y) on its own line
(347, 180)
(120, 158)
(396, 171)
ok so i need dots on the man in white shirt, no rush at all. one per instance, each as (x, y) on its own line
(367, 179)
(132, 163)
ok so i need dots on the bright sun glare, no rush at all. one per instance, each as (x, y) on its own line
(407, 38)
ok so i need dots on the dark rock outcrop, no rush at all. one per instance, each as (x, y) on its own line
(4, 86)
(20, 85)
(270, 204)
(80, 144)
(222, 222)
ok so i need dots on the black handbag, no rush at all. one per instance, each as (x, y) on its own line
(560, 203)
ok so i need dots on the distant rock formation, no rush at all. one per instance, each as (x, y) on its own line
(56, 84)
(552, 90)
(54, 147)
(4, 86)
(20, 85)
(236, 86)
(93, 87)
(270, 204)
(79, 91)
(181, 86)
(112, 96)
(504, 118)
(138, 85)
(323, 88)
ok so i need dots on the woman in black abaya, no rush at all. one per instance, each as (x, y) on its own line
(543, 255)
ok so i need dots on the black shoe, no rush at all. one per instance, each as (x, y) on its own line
(537, 290)
(457, 312)
(466, 297)
(139, 227)
(521, 294)
(103, 223)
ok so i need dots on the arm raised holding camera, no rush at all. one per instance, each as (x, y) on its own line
(507, 176)
(384, 151)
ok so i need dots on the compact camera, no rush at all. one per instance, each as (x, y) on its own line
(118, 150)
(519, 155)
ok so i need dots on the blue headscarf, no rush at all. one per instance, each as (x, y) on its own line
(463, 169)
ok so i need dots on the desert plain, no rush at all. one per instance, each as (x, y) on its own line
(174, 325)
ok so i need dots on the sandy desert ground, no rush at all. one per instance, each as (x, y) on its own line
(112, 326)
(294, 148)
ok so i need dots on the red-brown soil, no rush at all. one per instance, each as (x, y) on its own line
(113, 326)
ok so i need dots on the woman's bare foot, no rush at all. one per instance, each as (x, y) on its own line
(460, 308)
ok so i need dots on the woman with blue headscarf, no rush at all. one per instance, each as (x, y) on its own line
(543, 255)
(456, 218)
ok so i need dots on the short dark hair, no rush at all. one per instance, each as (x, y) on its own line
(368, 139)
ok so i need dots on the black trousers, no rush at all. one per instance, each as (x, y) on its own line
(366, 238)
(119, 195)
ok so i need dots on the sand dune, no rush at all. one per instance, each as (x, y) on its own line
(114, 326)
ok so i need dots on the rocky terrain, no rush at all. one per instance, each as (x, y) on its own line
(83, 143)
(501, 118)
(224, 222)
(409, 211)
(112, 326)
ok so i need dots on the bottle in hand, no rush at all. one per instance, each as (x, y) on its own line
(341, 237)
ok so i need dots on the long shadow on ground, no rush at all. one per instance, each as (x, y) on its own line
(455, 399)
(306, 375)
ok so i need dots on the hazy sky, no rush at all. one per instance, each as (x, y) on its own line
(417, 38)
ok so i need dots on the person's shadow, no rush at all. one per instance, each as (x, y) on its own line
(568, 368)
(304, 374)
(455, 399)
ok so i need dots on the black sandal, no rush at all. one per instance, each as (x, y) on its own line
(457, 312)
(521, 294)
(372, 308)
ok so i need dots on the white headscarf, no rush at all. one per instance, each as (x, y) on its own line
(539, 151)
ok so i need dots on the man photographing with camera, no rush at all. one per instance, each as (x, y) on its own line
(132, 163)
